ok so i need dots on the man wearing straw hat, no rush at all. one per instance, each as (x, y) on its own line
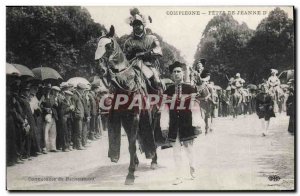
(78, 116)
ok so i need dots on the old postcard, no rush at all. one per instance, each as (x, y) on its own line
(158, 98)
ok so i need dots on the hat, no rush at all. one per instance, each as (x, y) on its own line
(274, 71)
(137, 18)
(103, 89)
(174, 65)
(68, 93)
(290, 81)
(95, 85)
(205, 75)
(81, 86)
(88, 87)
(56, 88)
(202, 61)
(64, 86)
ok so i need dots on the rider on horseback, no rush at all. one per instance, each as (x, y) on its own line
(143, 49)
(239, 83)
(196, 78)
(274, 82)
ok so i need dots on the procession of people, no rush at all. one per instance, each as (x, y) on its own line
(47, 117)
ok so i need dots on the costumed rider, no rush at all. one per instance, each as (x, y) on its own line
(239, 83)
(273, 82)
(179, 125)
(198, 75)
(143, 49)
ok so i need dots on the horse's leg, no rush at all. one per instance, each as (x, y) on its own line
(211, 118)
(206, 122)
(146, 133)
(114, 136)
(130, 123)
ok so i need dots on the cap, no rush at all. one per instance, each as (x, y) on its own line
(56, 88)
(274, 71)
(64, 86)
(81, 86)
(68, 93)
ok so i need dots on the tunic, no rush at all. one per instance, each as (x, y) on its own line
(181, 119)
(264, 106)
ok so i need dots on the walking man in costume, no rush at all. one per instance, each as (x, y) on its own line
(181, 129)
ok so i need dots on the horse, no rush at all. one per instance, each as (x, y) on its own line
(123, 78)
(236, 102)
(206, 98)
(277, 95)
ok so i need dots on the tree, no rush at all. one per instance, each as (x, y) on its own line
(272, 45)
(223, 45)
(63, 38)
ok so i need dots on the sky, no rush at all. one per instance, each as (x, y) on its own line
(182, 31)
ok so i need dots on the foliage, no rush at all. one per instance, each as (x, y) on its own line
(230, 47)
(63, 38)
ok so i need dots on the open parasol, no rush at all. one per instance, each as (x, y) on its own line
(284, 86)
(12, 70)
(24, 71)
(45, 73)
(217, 87)
(76, 80)
(252, 87)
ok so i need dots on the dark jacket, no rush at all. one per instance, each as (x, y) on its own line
(78, 103)
(181, 120)
(93, 104)
(264, 106)
(50, 104)
(24, 102)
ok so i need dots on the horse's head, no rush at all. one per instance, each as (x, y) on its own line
(109, 54)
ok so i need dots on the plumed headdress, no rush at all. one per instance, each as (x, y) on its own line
(137, 17)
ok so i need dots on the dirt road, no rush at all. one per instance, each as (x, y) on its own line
(233, 157)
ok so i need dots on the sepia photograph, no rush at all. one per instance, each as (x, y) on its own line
(150, 98)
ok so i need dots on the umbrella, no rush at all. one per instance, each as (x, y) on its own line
(11, 70)
(252, 86)
(284, 86)
(45, 73)
(24, 71)
(76, 80)
(217, 87)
